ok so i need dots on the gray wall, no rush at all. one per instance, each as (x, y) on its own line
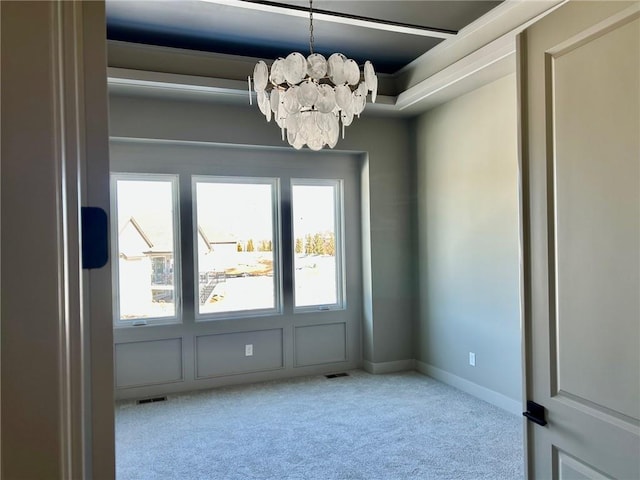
(385, 148)
(467, 220)
(447, 180)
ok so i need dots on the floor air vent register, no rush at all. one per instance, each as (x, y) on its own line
(151, 400)
(337, 375)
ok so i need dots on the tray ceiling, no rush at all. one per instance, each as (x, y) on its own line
(389, 33)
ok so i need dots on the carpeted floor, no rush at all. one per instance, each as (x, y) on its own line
(394, 426)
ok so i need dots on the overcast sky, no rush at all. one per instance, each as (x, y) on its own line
(243, 210)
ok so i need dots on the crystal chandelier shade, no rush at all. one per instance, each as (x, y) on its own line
(312, 99)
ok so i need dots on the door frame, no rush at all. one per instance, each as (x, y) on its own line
(57, 371)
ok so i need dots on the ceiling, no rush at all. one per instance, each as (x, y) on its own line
(389, 33)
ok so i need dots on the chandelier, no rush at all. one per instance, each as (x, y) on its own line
(312, 99)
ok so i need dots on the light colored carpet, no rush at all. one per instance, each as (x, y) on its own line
(394, 426)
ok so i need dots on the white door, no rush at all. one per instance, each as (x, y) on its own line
(580, 158)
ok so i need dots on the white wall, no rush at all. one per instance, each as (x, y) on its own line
(468, 242)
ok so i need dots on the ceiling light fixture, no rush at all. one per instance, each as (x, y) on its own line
(313, 98)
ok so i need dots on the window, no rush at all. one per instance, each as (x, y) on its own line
(240, 268)
(145, 236)
(317, 243)
(236, 255)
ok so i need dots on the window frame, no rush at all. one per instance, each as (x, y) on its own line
(174, 180)
(338, 205)
(276, 227)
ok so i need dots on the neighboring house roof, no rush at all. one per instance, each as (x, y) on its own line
(150, 233)
(132, 221)
(211, 236)
(132, 241)
(154, 228)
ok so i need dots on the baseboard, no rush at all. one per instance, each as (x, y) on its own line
(388, 367)
(483, 393)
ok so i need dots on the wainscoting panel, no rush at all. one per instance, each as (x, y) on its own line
(320, 344)
(225, 354)
(148, 363)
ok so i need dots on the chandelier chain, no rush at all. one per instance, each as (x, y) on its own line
(311, 26)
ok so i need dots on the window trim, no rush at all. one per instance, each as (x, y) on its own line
(177, 318)
(338, 205)
(276, 223)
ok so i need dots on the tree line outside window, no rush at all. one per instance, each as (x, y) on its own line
(320, 243)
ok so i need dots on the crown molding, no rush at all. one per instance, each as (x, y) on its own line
(221, 90)
(508, 18)
(479, 68)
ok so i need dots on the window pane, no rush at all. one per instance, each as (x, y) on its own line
(146, 274)
(235, 246)
(314, 226)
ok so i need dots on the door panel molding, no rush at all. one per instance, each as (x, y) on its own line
(601, 28)
(561, 218)
(567, 466)
(600, 412)
(589, 200)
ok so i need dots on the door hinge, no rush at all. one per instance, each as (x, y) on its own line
(535, 413)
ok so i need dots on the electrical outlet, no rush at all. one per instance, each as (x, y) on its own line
(248, 350)
(472, 359)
